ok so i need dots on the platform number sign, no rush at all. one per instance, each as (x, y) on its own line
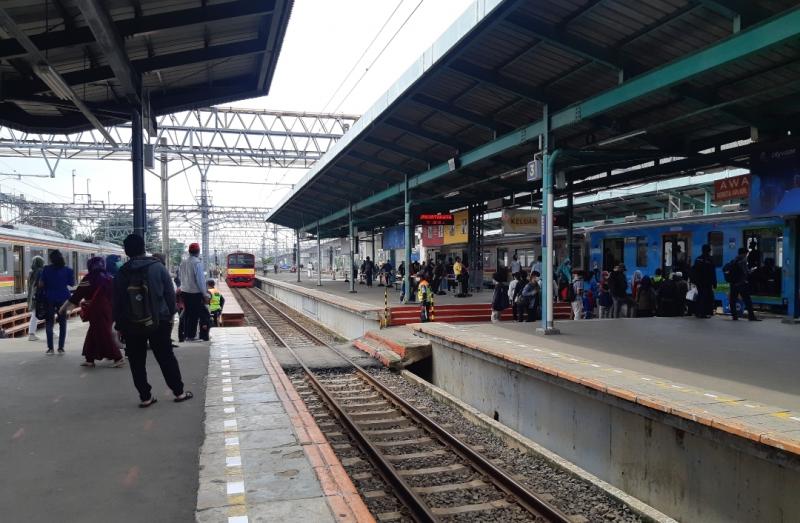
(534, 170)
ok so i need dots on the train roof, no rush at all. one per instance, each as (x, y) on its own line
(55, 238)
(708, 218)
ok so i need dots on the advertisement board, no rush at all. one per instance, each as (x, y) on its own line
(521, 221)
(433, 235)
(457, 233)
(775, 185)
(435, 219)
(394, 238)
(733, 188)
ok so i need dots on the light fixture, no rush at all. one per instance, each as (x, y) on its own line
(622, 137)
(451, 194)
(54, 81)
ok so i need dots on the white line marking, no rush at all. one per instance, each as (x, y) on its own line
(617, 371)
(749, 406)
(794, 418)
(677, 387)
(538, 350)
(646, 379)
(522, 345)
(229, 410)
(230, 424)
(232, 442)
(238, 519)
(235, 487)
(227, 388)
(595, 365)
(554, 354)
(233, 461)
(709, 395)
(573, 359)
(226, 366)
(226, 373)
(225, 361)
(226, 380)
(227, 398)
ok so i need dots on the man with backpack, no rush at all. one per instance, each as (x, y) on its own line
(143, 311)
(737, 273)
(618, 285)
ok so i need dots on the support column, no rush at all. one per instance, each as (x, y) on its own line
(319, 259)
(570, 226)
(165, 206)
(275, 239)
(137, 142)
(409, 230)
(205, 248)
(548, 162)
(373, 245)
(353, 240)
(297, 243)
(707, 202)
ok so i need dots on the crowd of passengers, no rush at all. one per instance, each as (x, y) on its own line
(612, 294)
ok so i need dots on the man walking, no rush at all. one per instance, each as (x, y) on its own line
(618, 285)
(737, 273)
(369, 268)
(704, 276)
(143, 311)
(195, 294)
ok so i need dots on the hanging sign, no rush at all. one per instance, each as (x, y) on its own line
(435, 219)
(520, 221)
(732, 188)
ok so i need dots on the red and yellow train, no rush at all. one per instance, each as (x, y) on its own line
(240, 269)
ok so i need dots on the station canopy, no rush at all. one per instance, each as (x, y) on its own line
(635, 90)
(71, 65)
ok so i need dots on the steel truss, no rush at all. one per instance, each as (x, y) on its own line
(222, 136)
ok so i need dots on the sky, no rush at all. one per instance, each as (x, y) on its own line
(323, 41)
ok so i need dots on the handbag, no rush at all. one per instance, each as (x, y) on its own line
(40, 305)
(692, 294)
(86, 306)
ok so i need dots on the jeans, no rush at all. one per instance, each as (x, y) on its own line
(52, 317)
(196, 311)
(577, 309)
(161, 345)
(618, 303)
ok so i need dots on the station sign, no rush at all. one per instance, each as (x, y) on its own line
(732, 188)
(521, 221)
(435, 219)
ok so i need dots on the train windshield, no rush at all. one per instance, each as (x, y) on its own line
(241, 261)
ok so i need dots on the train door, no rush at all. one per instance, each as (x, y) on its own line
(676, 254)
(502, 259)
(75, 263)
(765, 259)
(613, 253)
(19, 269)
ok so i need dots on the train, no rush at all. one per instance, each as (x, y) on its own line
(240, 269)
(20, 243)
(671, 245)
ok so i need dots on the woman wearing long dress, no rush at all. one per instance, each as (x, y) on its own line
(97, 288)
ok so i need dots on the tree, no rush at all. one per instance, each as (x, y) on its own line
(116, 227)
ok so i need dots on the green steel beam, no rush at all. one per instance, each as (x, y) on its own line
(748, 10)
(740, 45)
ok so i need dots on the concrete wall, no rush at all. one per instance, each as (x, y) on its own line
(345, 322)
(686, 470)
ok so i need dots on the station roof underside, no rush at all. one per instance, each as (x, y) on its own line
(112, 54)
(625, 82)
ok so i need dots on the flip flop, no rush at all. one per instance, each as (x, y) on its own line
(119, 363)
(148, 403)
(187, 395)
(87, 364)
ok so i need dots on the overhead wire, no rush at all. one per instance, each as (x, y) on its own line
(388, 43)
(366, 49)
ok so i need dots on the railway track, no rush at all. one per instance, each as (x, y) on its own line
(433, 474)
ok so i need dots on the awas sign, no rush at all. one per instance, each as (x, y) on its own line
(732, 188)
(520, 221)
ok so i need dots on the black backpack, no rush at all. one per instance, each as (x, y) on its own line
(571, 292)
(729, 271)
(139, 315)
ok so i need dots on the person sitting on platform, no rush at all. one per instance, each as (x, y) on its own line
(215, 303)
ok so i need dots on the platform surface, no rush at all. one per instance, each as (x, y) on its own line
(263, 458)
(75, 447)
(370, 296)
(740, 376)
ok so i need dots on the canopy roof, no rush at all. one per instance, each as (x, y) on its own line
(626, 82)
(114, 53)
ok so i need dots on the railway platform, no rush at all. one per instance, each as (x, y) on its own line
(700, 419)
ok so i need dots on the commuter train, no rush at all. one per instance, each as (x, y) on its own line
(20, 243)
(240, 269)
(672, 245)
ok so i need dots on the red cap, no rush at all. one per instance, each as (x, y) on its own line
(194, 247)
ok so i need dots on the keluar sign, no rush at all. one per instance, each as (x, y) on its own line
(737, 187)
(521, 221)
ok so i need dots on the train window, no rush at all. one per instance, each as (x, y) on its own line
(641, 251)
(3, 261)
(762, 245)
(715, 241)
(613, 252)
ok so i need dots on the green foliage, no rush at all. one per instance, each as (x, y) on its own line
(116, 227)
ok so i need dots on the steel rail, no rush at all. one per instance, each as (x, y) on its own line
(523, 496)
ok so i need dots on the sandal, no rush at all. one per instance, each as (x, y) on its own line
(119, 363)
(187, 395)
(145, 404)
(87, 364)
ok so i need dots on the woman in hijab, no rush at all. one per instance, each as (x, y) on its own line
(33, 285)
(96, 288)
